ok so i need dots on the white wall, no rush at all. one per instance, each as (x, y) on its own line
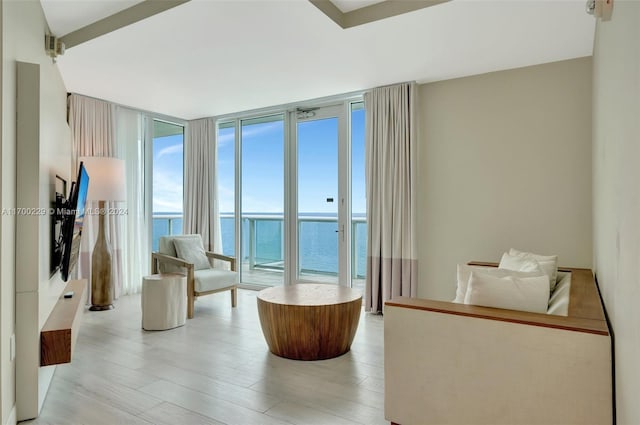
(616, 192)
(24, 27)
(6, 326)
(505, 161)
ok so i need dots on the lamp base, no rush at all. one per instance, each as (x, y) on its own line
(101, 307)
(101, 291)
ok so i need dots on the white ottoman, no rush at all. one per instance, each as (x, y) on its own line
(164, 301)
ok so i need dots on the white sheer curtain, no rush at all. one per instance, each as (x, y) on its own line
(93, 129)
(100, 128)
(130, 139)
(391, 160)
(201, 211)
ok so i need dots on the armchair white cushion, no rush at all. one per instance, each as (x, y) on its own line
(191, 250)
(166, 246)
(185, 254)
(213, 279)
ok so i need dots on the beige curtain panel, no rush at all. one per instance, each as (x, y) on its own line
(201, 215)
(391, 154)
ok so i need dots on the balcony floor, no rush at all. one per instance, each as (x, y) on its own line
(265, 277)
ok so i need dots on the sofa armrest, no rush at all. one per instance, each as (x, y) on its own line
(577, 324)
(457, 364)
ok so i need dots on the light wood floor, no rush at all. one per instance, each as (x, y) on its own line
(215, 370)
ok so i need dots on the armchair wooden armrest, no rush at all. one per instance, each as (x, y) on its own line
(231, 260)
(156, 258)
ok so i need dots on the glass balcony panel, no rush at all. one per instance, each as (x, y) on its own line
(262, 200)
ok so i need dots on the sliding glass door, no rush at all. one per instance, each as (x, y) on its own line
(319, 189)
(285, 195)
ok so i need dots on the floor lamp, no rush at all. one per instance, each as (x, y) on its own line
(106, 183)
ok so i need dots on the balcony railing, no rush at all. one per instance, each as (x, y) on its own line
(263, 241)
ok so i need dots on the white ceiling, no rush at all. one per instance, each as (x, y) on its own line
(213, 57)
(65, 16)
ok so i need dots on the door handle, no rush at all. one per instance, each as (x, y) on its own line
(341, 230)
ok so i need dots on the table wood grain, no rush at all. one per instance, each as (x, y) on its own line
(59, 333)
(309, 321)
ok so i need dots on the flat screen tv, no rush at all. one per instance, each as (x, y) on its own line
(73, 219)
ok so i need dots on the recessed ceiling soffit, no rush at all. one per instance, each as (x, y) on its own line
(371, 13)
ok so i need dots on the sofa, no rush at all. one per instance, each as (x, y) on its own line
(451, 363)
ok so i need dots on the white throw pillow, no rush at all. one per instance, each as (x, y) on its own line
(548, 263)
(191, 250)
(559, 300)
(464, 273)
(510, 292)
(518, 263)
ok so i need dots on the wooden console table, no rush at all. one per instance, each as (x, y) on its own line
(309, 321)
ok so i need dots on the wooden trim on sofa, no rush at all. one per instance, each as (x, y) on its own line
(585, 308)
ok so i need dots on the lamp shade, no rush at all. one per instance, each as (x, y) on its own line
(106, 177)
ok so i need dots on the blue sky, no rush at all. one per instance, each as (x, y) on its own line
(167, 173)
(263, 168)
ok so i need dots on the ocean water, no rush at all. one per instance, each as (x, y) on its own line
(161, 227)
(318, 240)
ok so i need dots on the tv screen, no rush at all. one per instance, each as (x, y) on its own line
(72, 223)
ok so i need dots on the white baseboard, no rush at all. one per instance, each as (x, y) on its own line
(45, 376)
(11, 420)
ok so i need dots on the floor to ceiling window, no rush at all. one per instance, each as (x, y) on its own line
(262, 199)
(358, 198)
(291, 191)
(226, 175)
(167, 179)
(316, 140)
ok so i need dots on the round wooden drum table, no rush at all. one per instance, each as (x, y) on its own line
(309, 321)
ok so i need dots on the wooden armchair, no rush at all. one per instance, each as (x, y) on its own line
(200, 281)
